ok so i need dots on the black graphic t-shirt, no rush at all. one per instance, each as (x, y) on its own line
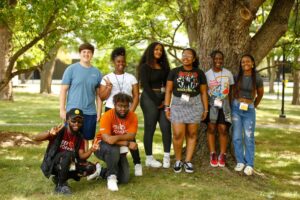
(186, 81)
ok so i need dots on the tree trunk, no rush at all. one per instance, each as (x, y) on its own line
(272, 75)
(5, 47)
(47, 71)
(224, 25)
(296, 77)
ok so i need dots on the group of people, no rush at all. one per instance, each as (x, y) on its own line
(177, 99)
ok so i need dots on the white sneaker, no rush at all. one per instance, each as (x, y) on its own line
(96, 174)
(248, 170)
(166, 162)
(112, 183)
(153, 163)
(138, 170)
(239, 167)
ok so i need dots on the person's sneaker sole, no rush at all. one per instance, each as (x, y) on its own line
(221, 165)
(214, 165)
(189, 171)
(177, 171)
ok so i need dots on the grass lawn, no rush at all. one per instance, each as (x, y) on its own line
(277, 161)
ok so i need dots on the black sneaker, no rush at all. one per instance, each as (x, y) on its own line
(63, 189)
(188, 167)
(177, 166)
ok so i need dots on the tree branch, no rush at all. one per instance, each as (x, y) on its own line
(22, 71)
(274, 27)
(254, 5)
(43, 34)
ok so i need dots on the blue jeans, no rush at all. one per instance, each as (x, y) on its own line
(243, 123)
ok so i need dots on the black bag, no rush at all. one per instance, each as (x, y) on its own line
(47, 164)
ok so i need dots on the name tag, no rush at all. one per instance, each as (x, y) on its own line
(185, 97)
(218, 103)
(243, 106)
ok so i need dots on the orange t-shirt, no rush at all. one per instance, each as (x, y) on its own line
(112, 125)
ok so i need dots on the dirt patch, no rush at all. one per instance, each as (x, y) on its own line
(12, 139)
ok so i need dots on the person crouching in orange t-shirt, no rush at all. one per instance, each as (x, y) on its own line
(118, 128)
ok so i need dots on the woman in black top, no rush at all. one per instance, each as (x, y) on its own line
(153, 70)
(189, 106)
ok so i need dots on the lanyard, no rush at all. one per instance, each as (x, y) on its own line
(120, 88)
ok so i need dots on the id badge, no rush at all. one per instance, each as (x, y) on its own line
(185, 97)
(72, 167)
(243, 106)
(218, 103)
(162, 89)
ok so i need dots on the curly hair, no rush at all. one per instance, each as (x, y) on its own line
(122, 97)
(148, 58)
(119, 51)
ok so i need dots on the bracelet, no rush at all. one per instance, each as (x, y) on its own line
(167, 109)
(206, 111)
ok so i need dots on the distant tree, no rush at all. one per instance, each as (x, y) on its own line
(24, 27)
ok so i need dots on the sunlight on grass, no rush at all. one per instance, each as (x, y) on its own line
(14, 157)
(188, 185)
(292, 195)
(277, 158)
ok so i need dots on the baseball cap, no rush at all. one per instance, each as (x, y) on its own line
(75, 112)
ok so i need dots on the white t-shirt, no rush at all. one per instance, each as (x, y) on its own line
(121, 83)
(219, 83)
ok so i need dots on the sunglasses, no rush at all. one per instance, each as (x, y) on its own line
(76, 121)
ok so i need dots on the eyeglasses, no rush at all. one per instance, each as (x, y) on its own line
(73, 121)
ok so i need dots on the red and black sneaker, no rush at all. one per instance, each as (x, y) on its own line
(213, 159)
(222, 160)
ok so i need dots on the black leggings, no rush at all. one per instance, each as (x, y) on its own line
(152, 115)
(134, 153)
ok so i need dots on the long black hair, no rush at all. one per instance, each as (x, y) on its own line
(196, 61)
(119, 51)
(148, 58)
(241, 74)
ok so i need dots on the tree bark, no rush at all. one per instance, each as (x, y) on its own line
(47, 71)
(5, 50)
(272, 75)
(296, 79)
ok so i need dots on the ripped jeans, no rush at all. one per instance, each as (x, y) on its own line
(243, 123)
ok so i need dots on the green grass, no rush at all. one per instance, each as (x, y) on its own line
(277, 160)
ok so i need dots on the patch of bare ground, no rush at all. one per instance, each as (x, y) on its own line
(15, 139)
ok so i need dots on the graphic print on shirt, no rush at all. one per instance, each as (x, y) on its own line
(187, 81)
(119, 129)
(219, 87)
(67, 145)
